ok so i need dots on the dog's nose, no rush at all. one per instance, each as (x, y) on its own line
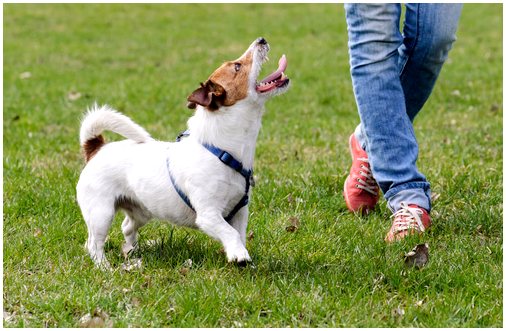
(261, 41)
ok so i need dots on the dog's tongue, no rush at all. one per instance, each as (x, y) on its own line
(282, 64)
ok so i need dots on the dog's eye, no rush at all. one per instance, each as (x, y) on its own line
(237, 67)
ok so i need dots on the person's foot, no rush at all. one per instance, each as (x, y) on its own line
(410, 219)
(361, 192)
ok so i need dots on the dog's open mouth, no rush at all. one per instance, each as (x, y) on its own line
(276, 79)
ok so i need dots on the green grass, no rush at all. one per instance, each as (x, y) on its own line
(335, 270)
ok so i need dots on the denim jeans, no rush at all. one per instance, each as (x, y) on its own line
(393, 75)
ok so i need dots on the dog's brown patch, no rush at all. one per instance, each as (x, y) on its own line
(227, 85)
(92, 146)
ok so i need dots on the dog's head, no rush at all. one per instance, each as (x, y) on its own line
(237, 80)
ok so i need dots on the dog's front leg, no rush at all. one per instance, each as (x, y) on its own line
(213, 224)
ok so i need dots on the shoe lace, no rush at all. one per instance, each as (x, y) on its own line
(369, 184)
(408, 218)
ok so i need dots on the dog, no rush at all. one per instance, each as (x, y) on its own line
(201, 181)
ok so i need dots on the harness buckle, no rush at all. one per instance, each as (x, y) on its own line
(230, 161)
(226, 158)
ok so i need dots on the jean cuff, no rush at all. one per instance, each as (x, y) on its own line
(410, 193)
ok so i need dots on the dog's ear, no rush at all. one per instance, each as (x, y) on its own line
(209, 95)
(199, 96)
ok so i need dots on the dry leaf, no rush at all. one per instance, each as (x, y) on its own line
(37, 233)
(188, 263)
(186, 267)
(147, 282)
(398, 312)
(291, 228)
(264, 312)
(25, 75)
(95, 322)
(99, 319)
(251, 235)
(136, 302)
(494, 107)
(84, 320)
(294, 224)
(73, 95)
(418, 257)
(8, 317)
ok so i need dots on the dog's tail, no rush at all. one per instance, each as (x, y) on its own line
(99, 119)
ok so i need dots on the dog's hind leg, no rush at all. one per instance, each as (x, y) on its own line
(130, 227)
(98, 215)
(213, 224)
(135, 217)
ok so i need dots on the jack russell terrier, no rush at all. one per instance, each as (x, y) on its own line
(203, 180)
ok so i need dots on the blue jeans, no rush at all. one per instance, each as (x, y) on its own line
(393, 75)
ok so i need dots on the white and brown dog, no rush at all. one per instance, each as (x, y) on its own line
(201, 181)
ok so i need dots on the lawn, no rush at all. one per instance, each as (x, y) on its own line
(316, 264)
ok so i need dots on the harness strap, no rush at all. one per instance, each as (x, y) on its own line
(183, 134)
(243, 202)
(177, 188)
(228, 160)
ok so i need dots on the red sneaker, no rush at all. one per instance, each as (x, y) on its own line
(408, 220)
(361, 192)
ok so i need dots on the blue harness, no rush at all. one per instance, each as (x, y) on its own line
(230, 161)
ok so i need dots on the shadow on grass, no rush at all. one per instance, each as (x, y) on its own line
(169, 249)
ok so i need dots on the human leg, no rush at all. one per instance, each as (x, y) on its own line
(429, 33)
(386, 131)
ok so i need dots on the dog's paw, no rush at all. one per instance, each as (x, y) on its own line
(127, 249)
(240, 258)
(131, 265)
(246, 264)
(104, 265)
